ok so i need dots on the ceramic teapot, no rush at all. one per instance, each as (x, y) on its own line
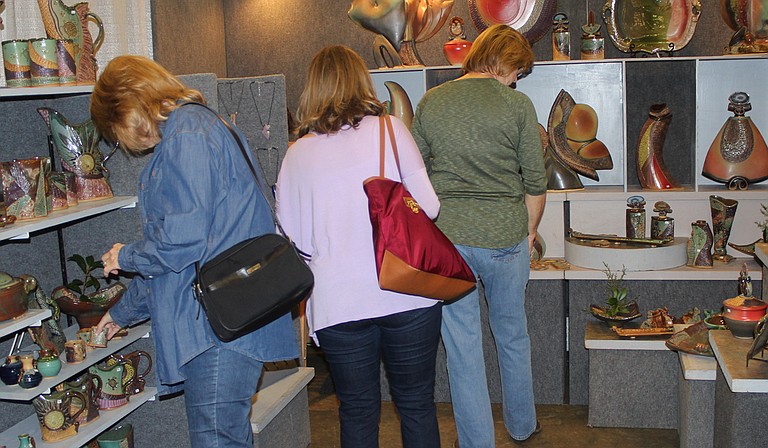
(89, 385)
(13, 295)
(112, 378)
(53, 411)
(71, 22)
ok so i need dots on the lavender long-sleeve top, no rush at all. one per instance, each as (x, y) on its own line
(323, 208)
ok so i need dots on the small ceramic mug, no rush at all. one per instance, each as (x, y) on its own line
(97, 338)
(75, 350)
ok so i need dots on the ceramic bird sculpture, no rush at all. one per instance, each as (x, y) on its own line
(651, 171)
(78, 147)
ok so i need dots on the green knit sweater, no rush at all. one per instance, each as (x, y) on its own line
(480, 142)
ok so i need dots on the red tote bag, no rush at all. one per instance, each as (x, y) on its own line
(412, 255)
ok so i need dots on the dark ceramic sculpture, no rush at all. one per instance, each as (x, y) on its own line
(651, 171)
(723, 211)
(700, 245)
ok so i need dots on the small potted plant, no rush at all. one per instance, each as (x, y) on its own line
(618, 307)
(84, 298)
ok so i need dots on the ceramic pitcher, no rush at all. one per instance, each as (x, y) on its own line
(53, 411)
(133, 382)
(112, 378)
(89, 385)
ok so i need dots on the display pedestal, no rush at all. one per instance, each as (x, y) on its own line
(741, 393)
(632, 382)
(280, 410)
(696, 400)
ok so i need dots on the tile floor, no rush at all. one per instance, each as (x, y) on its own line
(563, 426)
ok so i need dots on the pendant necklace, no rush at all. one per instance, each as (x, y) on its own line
(232, 115)
(264, 124)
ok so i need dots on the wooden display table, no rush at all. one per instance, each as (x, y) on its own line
(633, 383)
(741, 393)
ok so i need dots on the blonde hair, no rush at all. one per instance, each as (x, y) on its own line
(338, 92)
(132, 97)
(499, 50)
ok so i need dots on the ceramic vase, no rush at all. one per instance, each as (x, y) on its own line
(120, 436)
(738, 155)
(635, 217)
(30, 376)
(11, 370)
(457, 47)
(662, 226)
(723, 211)
(48, 363)
(700, 245)
(26, 441)
(651, 171)
(25, 187)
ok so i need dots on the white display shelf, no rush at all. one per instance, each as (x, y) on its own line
(720, 272)
(731, 354)
(697, 367)
(106, 419)
(270, 400)
(761, 252)
(598, 336)
(32, 318)
(6, 92)
(15, 392)
(22, 229)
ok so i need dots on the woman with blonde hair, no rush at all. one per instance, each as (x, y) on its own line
(487, 167)
(197, 199)
(322, 206)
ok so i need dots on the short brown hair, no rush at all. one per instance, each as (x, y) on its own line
(338, 92)
(132, 96)
(499, 50)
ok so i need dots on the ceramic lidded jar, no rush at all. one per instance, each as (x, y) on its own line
(457, 47)
(561, 38)
(742, 313)
(11, 370)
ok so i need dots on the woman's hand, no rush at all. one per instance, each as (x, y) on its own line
(109, 324)
(111, 265)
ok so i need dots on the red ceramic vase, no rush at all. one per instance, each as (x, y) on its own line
(456, 50)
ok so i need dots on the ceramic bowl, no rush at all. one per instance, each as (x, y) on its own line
(715, 322)
(619, 319)
(743, 329)
(744, 308)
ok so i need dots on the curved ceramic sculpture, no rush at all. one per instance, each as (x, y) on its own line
(700, 245)
(78, 149)
(651, 26)
(572, 131)
(747, 18)
(530, 17)
(402, 22)
(399, 105)
(723, 211)
(738, 156)
(651, 171)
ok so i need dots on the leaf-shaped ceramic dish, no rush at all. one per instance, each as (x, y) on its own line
(600, 313)
(651, 26)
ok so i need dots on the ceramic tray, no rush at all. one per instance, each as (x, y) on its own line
(643, 332)
(651, 26)
(693, 340)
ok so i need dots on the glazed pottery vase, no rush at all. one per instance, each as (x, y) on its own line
(26, 190)
(53, 410)
(113, 384)
(651, 171)
(10, 371)
(30, 376)
(561, 38)
(13, 295)
(738, 155)
(48, 363)
(723, 211)
(120, 436)
(700, 245)
(72, 23)
(635, 217)
(662, 226)
(26, 441)
(77, 145)
(457, 47)
(89, 385)
(87, 313)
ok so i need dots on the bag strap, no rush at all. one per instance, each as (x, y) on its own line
(386, 122)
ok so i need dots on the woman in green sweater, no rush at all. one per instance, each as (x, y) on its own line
(480, 142)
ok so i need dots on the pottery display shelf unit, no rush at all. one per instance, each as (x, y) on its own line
(24, 230)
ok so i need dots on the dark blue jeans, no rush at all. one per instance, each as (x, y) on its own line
(407, 343)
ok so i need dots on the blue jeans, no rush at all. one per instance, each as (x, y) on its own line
(504, 275)
(407, 343)
(217, 395)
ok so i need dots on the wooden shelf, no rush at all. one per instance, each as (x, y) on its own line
(106, 419)
(32, 318)
(22, 229)
(68, 370)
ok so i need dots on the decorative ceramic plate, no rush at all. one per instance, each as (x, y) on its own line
(531, 17)
(651, 26)
(693, 340)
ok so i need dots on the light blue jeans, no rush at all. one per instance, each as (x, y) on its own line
(504, 275)
(217, 395)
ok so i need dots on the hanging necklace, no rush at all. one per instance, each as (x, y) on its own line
(264, 124)
(232, 115)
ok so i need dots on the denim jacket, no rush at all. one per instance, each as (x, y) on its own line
(197, 199)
